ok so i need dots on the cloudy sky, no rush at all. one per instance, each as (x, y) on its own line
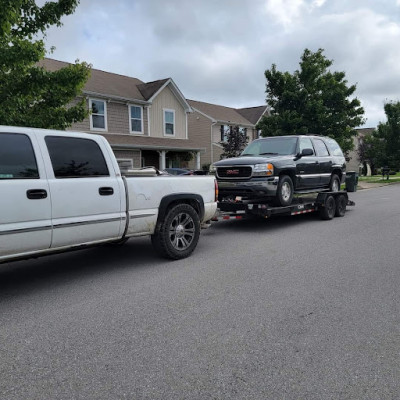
(217, 50)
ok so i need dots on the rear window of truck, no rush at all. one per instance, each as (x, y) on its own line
(76, 157)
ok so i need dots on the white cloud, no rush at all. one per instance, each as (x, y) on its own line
(218, 51)
(286, 12)
(319, 3)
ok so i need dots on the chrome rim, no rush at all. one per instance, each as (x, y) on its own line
(181, 231)
(335, 186)
(285, 191)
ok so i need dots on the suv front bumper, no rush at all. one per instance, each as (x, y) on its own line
(254, 188)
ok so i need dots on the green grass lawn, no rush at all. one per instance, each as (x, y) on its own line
(380, 179)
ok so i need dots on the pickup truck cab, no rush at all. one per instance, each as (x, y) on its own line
(64, 190)
(275, 168)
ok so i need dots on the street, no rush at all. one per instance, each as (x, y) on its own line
(286, 308)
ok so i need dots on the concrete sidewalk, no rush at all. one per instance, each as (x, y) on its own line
(368, 185)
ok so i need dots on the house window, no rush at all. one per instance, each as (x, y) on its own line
(225, 130)
(136, 119)
(169, 122)
(98, 115)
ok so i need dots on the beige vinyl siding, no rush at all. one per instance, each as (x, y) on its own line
(133, 155)
(117, 120)
(200, 135)
(167, 100)
(216, 137)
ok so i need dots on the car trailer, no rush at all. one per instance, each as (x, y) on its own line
(328, 204)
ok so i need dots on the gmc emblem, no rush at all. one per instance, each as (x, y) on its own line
(232, 172)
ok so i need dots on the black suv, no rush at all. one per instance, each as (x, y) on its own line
(275, 168)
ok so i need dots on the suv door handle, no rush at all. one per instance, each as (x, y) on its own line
(106, 191)
(36, 194)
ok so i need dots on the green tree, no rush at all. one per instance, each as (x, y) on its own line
(384, 143)
(370, 151)
(236, 141)
(312, 100)
(29, 94)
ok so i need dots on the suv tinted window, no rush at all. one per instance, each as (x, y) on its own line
(271, 146)
(320, 148)
(17, 158)
(333, 147)
(76, 157)
(305, 143)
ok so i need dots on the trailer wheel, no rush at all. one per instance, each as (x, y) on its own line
(284, 191)
(341, 203)
(178, 234)
(329, 208)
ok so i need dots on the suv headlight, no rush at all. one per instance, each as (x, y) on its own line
(263, 170)
(212, 170)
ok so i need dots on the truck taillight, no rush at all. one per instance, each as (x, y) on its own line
(216, 189)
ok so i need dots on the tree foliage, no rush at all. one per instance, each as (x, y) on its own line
(382, 148)
(312, 100)
(29, 94)
(236, 141)
(368, 148)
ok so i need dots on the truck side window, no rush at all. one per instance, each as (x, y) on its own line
(17, 158)
(320, 147)
(76, 157)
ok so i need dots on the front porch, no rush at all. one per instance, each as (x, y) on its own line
(160, 158)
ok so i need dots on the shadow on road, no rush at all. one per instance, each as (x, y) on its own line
(138, 253)
(270, 225)
(50, 271)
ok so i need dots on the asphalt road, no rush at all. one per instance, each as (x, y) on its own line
(287, 308)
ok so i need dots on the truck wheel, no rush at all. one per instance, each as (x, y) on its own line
(284, 192)
(178, 234)
(328, 210)
(341, 203)
(334, 185)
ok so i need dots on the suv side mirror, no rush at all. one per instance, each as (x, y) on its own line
(304, 152)
(307, 152)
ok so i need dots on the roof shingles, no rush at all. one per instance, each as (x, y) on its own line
(220, 113)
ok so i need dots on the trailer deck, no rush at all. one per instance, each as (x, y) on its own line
(328, 204)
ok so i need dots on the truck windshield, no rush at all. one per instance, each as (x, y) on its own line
(271, 146)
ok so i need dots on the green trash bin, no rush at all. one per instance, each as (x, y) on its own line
(351, 181)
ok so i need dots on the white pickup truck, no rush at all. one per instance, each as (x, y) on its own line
(63, 190)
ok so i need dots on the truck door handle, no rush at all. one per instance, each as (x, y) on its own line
(106, 191)
(36, 194)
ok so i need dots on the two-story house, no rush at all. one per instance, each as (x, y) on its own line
(152, 124)
(218, 120)
(145, 123)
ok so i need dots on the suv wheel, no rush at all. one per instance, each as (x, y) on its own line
(334, 185)
(284, 193)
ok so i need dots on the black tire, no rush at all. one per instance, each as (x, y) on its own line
(284, 192)
(334, 185)
(341, 203)
(178, 234)
(328, 210)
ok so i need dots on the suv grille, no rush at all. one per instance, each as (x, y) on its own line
(234, 172)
